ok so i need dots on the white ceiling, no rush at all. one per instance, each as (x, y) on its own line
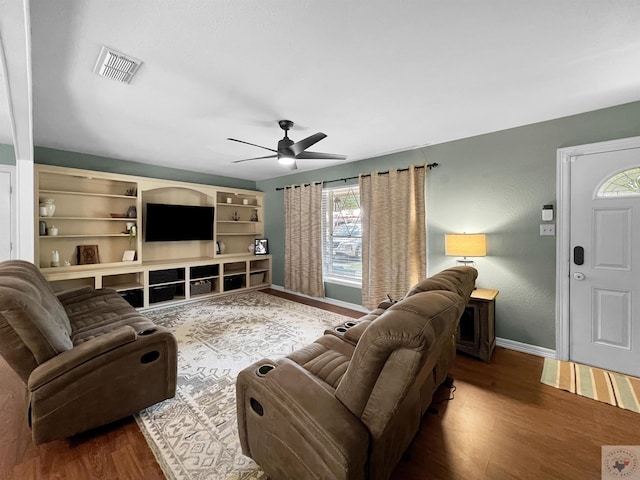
(375, 76)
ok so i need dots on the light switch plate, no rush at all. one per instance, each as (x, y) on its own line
(547, 229)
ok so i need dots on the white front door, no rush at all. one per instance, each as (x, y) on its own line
(604, 272)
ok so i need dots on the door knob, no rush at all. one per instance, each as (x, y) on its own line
(578, 276)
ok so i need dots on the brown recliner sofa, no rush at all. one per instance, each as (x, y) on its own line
(86, 356)
(348, 405)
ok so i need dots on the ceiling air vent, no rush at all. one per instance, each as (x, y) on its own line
(116, 65)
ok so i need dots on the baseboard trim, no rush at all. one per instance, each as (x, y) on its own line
(525, 348)
(332, 301)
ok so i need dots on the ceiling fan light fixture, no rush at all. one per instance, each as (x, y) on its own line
(286, 160)
(288, 151)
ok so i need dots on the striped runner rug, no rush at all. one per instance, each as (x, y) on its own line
(610, 387)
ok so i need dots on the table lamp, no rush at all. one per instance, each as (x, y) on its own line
(465, 245)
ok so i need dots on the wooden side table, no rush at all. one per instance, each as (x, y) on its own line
(476, 333)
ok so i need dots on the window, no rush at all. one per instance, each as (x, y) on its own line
(625, 184)
(342, 235)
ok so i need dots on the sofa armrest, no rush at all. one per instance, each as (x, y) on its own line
(354, 333)
(291, 424)
(66, 361)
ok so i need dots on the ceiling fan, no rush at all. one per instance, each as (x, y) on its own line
(289, 151)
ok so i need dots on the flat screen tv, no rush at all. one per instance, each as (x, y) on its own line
(174, 223)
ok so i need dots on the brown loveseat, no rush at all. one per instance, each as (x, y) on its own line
(86, 356)
(348, 405)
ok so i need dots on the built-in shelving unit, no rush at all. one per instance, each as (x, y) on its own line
(99, 208)
(238, 221)
(89, 210)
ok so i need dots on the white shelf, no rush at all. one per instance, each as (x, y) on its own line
(125, 286)
(237, 205)
(238, 221)
(234, 272)
(258, 270)
(84, 194)
(237, 234)
(84, 235)
(179, 262)
(102, 219)
(163, 284)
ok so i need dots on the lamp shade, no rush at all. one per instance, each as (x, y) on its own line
(465, 245)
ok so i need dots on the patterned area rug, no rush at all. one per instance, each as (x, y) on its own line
(609, 387)
(194, 435)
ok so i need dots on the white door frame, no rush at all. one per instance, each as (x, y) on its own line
(11, 170)
(565, 157)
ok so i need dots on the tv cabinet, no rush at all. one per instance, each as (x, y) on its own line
(98, 209)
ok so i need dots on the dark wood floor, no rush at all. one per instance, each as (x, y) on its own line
(502, 424)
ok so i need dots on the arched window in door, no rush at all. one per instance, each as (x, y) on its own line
(623, 184)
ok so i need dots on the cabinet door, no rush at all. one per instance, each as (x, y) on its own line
(469, 330)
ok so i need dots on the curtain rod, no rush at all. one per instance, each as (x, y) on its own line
(428, 165)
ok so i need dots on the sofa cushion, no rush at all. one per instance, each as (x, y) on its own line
(29, 273)
(327, 359)
(95, 312)
(14, 350)
(44, 330)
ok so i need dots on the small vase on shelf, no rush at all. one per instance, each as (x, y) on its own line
(254, 216)
(47, 207)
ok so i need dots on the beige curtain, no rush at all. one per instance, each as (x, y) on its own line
(303, 239)
(394, 245)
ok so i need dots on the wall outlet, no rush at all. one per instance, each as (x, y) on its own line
(547, 229)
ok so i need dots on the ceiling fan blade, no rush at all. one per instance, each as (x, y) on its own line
(254, 158)
(320, 156)
(299, 147)
(253, 144)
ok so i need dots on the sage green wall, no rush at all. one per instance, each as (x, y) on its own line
(7, 155)
(50, 156)
(496, 184)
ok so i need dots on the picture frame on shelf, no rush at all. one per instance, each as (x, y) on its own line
(217, 248)
(261, 246)
(88, 254)
(129, 256)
